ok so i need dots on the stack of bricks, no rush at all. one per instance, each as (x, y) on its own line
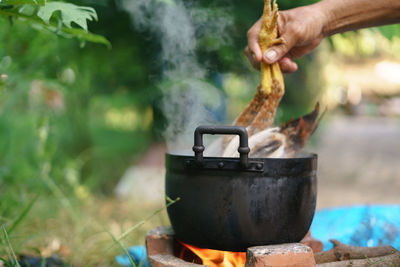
(161, 252)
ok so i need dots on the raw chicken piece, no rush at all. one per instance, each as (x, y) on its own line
(258, 117)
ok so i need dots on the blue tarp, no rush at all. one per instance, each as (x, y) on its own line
(367, 225)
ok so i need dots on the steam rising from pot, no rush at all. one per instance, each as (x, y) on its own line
(189, 99)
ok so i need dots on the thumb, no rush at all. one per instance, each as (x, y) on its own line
(277, 52)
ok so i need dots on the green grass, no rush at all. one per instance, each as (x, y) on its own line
(124, 250)
(23, 214)
(11, 253)
(104, 228)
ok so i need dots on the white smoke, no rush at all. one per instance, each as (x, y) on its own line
(188, 96)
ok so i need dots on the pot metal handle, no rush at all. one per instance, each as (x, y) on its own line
(243, 149)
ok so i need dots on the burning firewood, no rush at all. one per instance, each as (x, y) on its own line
(258, 117)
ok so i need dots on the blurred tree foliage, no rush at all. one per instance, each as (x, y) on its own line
(71, 115)
(79, 114)
(58, 17)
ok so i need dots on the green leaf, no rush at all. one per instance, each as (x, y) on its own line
(39, 24)
(23, 2)
(69, 13)
(87, 36)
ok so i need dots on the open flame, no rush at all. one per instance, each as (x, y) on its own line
(218, 258)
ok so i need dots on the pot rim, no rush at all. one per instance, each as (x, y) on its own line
(301, 156)
(272, 166)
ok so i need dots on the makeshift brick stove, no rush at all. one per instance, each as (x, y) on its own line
(163, 250)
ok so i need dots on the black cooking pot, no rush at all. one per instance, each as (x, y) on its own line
(234, 203)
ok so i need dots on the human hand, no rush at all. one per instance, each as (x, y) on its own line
(301, 30)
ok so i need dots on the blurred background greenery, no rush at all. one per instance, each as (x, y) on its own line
(75, 114)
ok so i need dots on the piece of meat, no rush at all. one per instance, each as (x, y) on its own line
(258, 117)
(260, 113)
(291, 137)
(279, 142)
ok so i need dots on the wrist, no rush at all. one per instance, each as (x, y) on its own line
(326, 18)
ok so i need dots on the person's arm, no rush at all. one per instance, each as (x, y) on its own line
(303, 28)
(347, 15)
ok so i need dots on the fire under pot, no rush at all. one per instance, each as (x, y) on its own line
(164, 250)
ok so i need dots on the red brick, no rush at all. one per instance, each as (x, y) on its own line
(284, 255)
